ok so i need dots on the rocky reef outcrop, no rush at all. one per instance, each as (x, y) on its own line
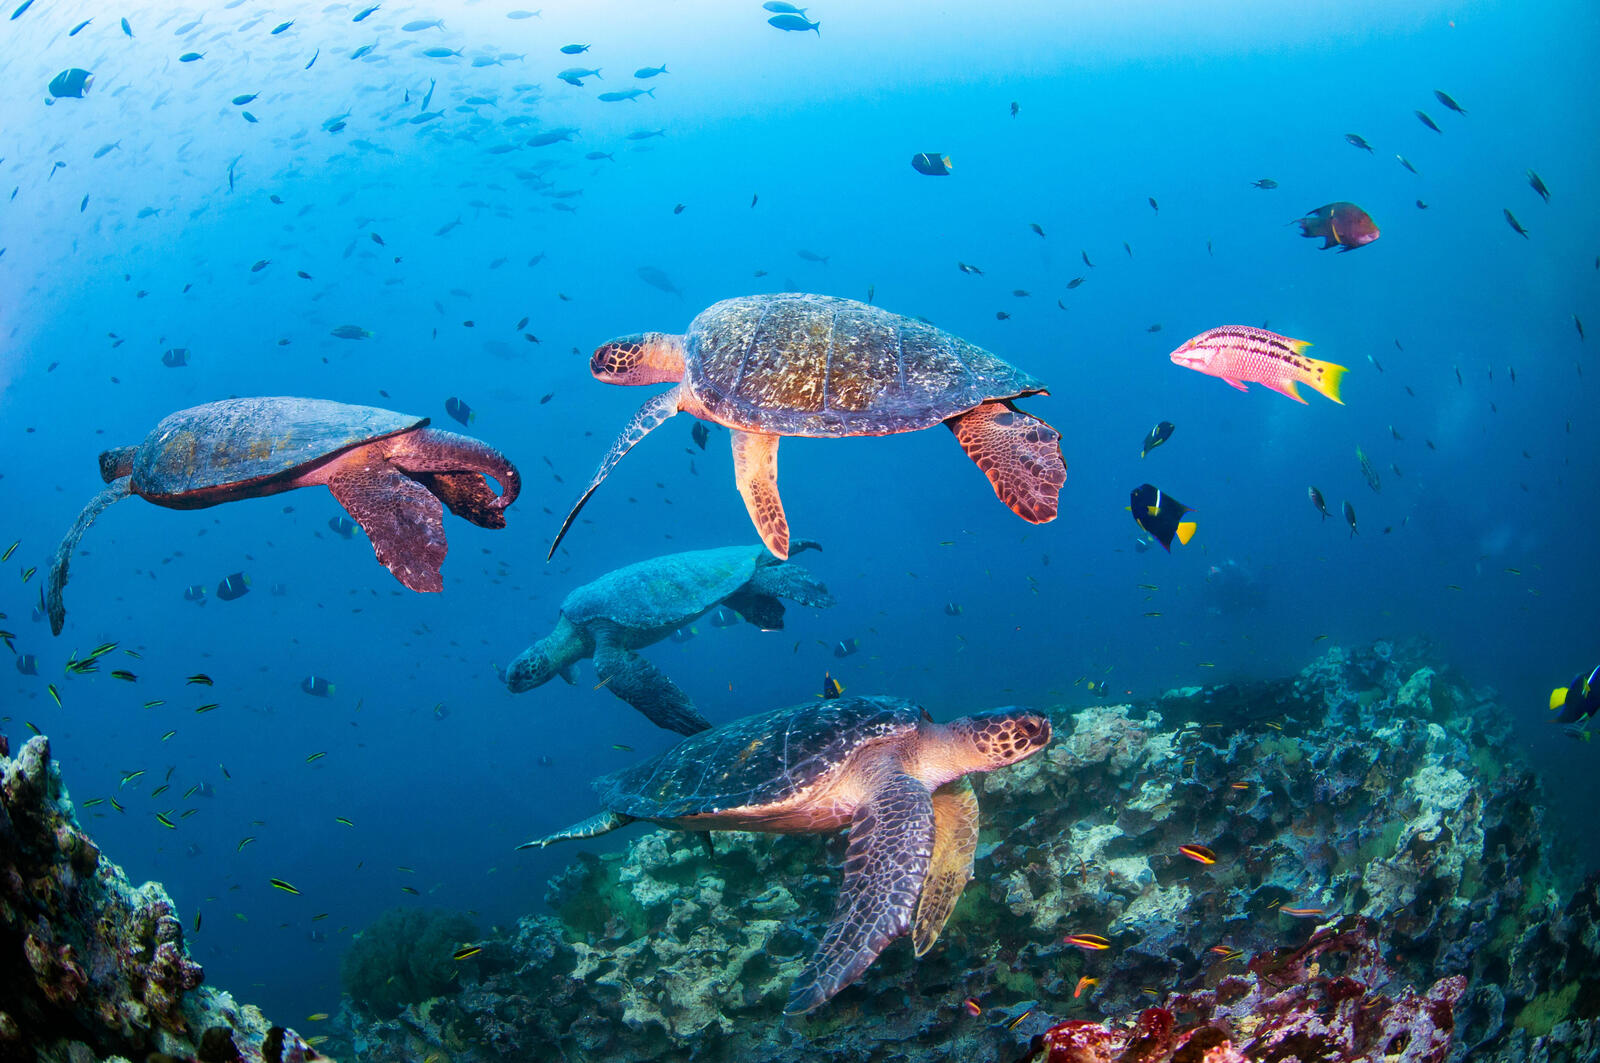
(91, 966)
(1373, 800)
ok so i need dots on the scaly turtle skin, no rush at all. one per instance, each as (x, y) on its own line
(389, 470)
(643, 603)
(877, 765)
(768, 366)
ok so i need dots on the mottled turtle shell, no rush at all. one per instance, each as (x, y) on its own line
(816, 365)
(756, 760)
(664, 591)
(229, 445)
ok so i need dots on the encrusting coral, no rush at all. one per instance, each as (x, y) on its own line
(90, 965)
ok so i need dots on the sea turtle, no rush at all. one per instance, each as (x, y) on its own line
(389, 471)
(634, 607)
(768, 366)
(878, 765)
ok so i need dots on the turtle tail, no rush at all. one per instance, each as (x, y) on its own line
(115, 491)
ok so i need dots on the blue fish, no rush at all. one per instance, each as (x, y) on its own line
(235, 586)
(18, 12)
(127, 29)
(79, 27)
(794, 22)
(343, 527)
(361, 15)
(71, 84)
(316, 686)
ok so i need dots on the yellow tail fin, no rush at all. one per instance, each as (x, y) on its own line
(1326, 378)
(1186, 532)
(1558, 698)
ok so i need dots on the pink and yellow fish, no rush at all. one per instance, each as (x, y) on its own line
(1239, 353)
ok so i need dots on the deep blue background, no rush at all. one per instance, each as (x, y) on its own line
(1186, 103)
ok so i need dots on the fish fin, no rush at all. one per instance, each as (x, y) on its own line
(1299, 346)
(652, 415)
(955, 841)
(1558, 698)
(1186, 532)
(891, 844)
(1333, 231)
(1238, 384)
(755, 470)
(1326, 378)
(114, 491)
(1019, 453)
(402, 518)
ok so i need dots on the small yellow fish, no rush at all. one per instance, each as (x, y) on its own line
(207, 708)
(317, 1016)
(169, 734)
(124, 675)
(244, 842)
(280, 884)
(199, 679)
(341, 819)
(55, 696)
(161, 817)
(412, 890)
(154, 704)
(466, 951)
(315, 757)
(115, 805)
(27, 573)
(10, 550)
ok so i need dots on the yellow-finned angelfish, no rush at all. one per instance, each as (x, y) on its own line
(1161, 515)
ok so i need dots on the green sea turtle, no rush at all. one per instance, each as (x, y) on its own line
(768, 366)
(643, 603)
(877, 765)
(388, 470)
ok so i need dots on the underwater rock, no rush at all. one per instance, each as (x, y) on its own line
(90, 965)
(1375, 794)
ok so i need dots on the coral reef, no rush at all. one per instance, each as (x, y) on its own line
(1324, 1001)
(90, 965)
(1370, 813)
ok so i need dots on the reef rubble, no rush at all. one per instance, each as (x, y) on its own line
(91, 966)
(1369, 816)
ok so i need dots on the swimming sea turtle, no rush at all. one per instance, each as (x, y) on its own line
(642, 604)
(389, 471)
(769, 366)
(877, 765)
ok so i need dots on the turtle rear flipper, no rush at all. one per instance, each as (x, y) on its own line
(116, 491)
(645, 687)
(955, 841)
(402, 519)
(468, 495)
(891, 844)
(1019, 453)
(791, 581)
(652, 415)
(455, 468)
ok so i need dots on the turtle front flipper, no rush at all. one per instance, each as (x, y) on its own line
(1019, 453)
(600, 823)
(645, 687)
(891, 843)
(115, 491)
(755, 469)
(402, 519)
(652, 415)
(955, 841)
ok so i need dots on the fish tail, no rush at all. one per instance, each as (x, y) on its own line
(1325, 377)
(1186, 532)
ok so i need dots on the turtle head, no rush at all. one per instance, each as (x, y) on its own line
(117, 463)
(643, 358)
(551, 656)
(990, 740)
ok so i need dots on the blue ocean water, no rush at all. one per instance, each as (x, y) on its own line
(773, 143)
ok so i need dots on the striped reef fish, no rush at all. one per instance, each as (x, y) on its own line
(1239, 353)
